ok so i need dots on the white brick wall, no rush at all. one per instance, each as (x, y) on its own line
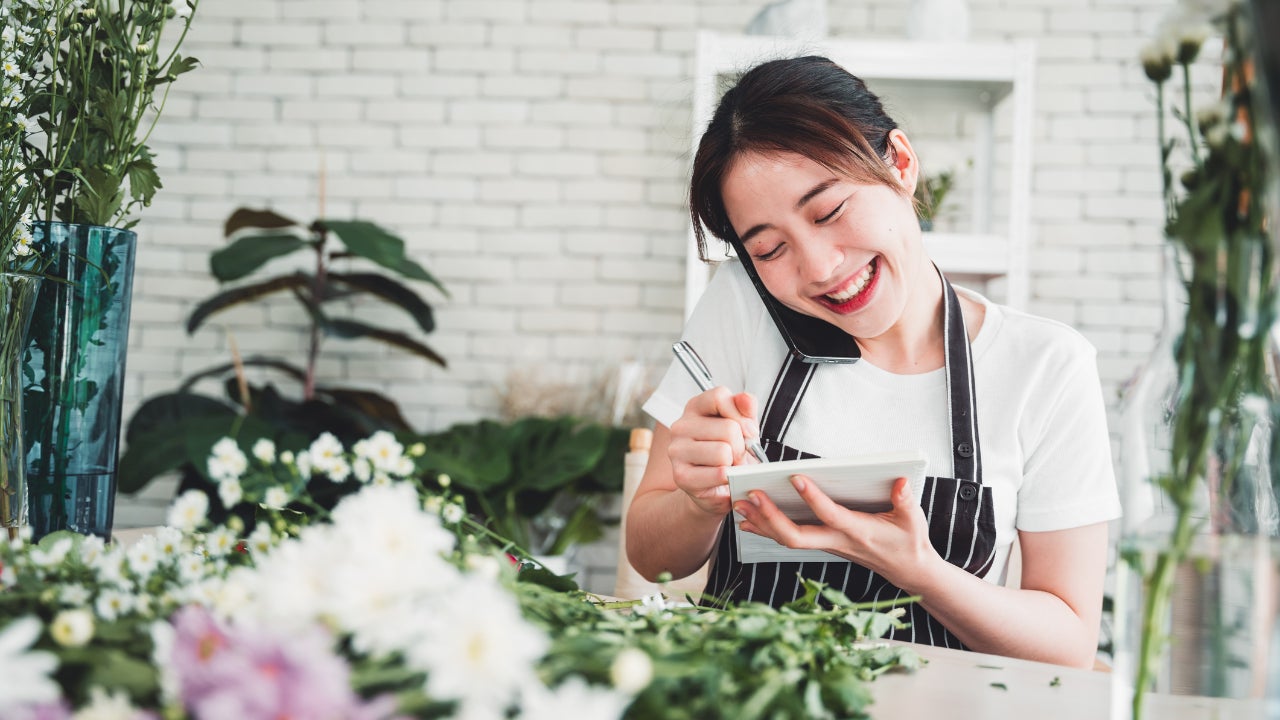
(533, 154)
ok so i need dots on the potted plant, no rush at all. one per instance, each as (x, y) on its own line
(102, 90)
(176, 430)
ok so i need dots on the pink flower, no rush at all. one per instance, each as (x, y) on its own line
(233, 674)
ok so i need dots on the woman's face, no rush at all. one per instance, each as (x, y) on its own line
(825, 245)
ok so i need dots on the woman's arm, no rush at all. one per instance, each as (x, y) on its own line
(677, 511)
(1053, 618)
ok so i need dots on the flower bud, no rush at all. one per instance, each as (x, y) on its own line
(1156, 63)
(1189, 42)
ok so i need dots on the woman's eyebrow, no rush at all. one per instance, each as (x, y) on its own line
(814, 191)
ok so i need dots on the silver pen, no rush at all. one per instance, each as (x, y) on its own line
(702, 376)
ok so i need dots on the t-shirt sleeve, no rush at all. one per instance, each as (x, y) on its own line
(1068, 477)
(718, 331)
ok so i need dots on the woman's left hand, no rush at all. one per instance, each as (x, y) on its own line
(894, 544)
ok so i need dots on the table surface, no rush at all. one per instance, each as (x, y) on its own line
(957, 683)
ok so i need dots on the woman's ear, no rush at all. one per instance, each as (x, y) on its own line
(906, 166)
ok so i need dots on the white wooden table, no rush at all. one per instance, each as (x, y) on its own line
(959, 684)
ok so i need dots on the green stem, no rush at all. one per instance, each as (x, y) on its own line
(1156, 606)
(1186, 116)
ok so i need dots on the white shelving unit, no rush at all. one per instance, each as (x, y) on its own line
(970, 78)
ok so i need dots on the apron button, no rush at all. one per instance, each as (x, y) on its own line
(968, 492)
(965, 450)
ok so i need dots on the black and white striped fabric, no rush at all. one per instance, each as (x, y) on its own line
(959, 509)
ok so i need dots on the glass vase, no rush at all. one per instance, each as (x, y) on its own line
(17, 299)
(74, 373)
(1202, 622)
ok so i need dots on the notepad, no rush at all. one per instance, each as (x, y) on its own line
(862, 482)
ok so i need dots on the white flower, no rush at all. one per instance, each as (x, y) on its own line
(276, 497)
(162, 640)
(452, 514)
(403, 467)
(339, 470)
(24, 673)
(230, 492)
(574, 698)
(227, 461)
(8, 578)
(324, 451)
(74, 595)
(304, 464)
(106, 706)
(72, 628)
(22, 247)
(260, 539)
(112, 604)
(477, 647)
(286, 457)
(191, 568)
(650, 604)
(631, 671)
(380, 480)
(381, 449)
(91, 548)
(144, 556)
(264, 450)
(220, 542)
(110, 568)
(443, 480)
(169, 541)
(53, 556)
(188, 511)
(485, 566)
(362, 469)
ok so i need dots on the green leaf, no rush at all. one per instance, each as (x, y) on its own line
(476, 456)
(160, 432)
(368, 403)
(242, 294)
(371, 242)
(251, 252)
(550, 453)
(182, 65)
(258, 219)
(144, 181)
(391, 291)
(355, 329)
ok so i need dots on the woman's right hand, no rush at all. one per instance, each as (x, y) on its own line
(708, 438)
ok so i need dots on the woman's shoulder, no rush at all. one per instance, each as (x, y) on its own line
(1024, 336)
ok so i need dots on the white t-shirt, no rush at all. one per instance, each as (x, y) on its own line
(1041, 418)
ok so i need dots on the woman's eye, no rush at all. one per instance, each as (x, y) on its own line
(769, 255)
(831, 215)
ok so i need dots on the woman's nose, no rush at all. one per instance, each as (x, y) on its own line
(818, 260)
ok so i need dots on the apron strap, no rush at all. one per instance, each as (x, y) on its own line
(795, 376)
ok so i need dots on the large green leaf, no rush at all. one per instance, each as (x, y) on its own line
(242, 294)
(355, 329)
(476, 456)
(391, 291)
(260, 219)
(251, 252)
(160, 431)
(371, 242)
(550, 453)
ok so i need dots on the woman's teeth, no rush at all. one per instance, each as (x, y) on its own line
(855, 285)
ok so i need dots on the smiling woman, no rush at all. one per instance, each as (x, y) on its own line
(845, 339)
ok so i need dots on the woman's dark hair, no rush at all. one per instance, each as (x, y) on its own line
(809, 106)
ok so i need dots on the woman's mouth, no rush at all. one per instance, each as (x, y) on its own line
(855, 292)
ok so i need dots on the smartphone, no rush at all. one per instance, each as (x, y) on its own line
(810, 340)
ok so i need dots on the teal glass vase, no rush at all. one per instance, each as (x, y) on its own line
(17, 299)
(73, 371)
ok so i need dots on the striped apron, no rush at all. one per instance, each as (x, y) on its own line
(959, 509)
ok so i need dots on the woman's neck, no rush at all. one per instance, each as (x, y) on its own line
(914, 344)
